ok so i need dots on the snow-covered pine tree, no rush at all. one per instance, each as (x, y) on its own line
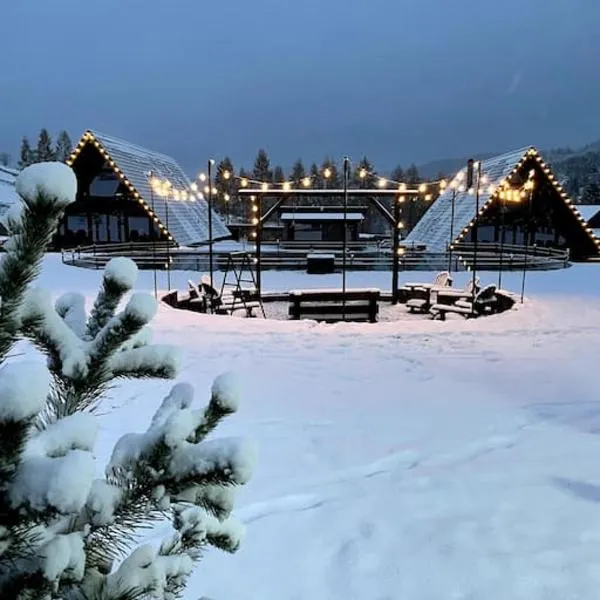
(64, 146)
(298, 173)
(26, 156)
(63, 532)
(278, 174)
(44, 151)
(262, 167)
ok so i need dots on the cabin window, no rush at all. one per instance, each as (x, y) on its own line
(105, 185)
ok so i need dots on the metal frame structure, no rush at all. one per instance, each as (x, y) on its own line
(393, 217)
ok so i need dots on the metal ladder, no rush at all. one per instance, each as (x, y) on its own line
(240, 266)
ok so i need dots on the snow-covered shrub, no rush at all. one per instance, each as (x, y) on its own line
(64, 533)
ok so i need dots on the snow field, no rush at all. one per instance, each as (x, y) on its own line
(401, 460)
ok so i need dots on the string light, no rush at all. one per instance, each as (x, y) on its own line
(306, 182)
(505, 191)
(382, 182)
(87, 138)
(362, 173)
(226, 175)
(327, 173)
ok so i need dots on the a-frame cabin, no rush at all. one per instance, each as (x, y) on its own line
(548, 216)
(116, 203)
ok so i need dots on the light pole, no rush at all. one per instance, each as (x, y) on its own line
(152, 235)
(529, 185)
(168, 242)
(345, 234)
(452, 209)
(211, 162)
(502, 235)
(475, 229)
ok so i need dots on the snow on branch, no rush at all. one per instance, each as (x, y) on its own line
(120, 276)
(146, 361)
(61, 527)
(71, 308)
(47, 182)
(51, 334)
(23, 389)
(46, 188)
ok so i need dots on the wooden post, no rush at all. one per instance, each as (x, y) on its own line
(259, 228)
(396, 250)
(345, 234)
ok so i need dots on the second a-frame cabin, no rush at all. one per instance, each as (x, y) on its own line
(116, 202)
(548, 213)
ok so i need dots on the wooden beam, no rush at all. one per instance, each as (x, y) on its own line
(277, 193)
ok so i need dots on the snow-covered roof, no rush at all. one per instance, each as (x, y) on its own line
(8, 194)
(8, 175)
(588, 210)
(433, 229)
(187, 219)
(320, 216)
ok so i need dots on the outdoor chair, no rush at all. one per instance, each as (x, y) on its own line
(484, 302)
(418, 294)
(442, 295)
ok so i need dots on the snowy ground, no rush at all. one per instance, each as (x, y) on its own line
(409, 460)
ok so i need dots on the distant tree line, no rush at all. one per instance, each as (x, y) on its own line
(579, 172)
(45, 150)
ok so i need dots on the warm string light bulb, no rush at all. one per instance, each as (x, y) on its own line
(382, 182)
(362, 173)
(327, 173)
(306, 182)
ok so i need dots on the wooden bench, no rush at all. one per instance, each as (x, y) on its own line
(485, 302)
(441, 295)
(332, 306)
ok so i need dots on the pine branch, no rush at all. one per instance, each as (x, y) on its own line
(105, 306)
(224, 401)
(13, 436)
(161, 362)
(115, 333)
(119, 277)
(21, 263)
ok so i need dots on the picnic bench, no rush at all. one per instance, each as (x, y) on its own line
(484, 302)
(442, 295)
(417, 295)
(331, 306)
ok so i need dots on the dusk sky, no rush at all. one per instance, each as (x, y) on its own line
(397, 80)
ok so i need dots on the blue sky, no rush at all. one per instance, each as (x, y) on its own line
(398, 80)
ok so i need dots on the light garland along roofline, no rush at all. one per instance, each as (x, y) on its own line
(530, 153)
(89, 138)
